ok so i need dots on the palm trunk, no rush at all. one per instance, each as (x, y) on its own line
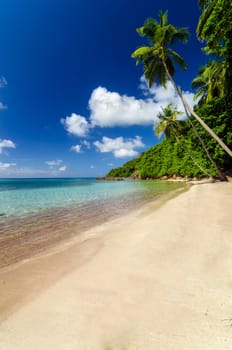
(206, 151)
(203, 124)
(203, 145)
(210, 131)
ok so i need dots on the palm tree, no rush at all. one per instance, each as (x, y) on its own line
(169, 125)
(207, 7)
(215, 29)
(203, 3)
(210, 82)
(159, 60)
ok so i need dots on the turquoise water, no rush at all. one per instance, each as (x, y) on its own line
(36, 214)
(22, 197)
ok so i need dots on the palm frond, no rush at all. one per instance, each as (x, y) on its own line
(142, 54)
(158, 129)
(142, 51)
(163, 18)
(148, 29)
(207, 10)
(177, 58)
(158, 60)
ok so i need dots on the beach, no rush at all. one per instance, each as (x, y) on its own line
(159, 277)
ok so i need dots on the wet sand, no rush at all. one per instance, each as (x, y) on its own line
(23, 237)
(156, 278)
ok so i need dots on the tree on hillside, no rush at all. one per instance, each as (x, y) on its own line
(210, 82)
(159, 59)
(215, 26)
(215, 29)
(170, 126)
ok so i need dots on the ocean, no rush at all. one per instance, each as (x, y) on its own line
(36, 214)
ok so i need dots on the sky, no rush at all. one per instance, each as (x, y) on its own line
(73, 103)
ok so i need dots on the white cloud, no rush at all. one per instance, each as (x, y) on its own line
(86, 143)
(63, 168)
(10, 169)
(162, 97)
(2, 106)
(4, 166)
(76, 125)
(119, 147)
(110, 109)
(3, 82)
(76, 148)
(6, 144)
(53, 163)
(92, 166)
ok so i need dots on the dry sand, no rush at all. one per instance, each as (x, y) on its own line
(157, 279)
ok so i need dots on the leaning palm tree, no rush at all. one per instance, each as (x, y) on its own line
(159, 60)
(169, 125)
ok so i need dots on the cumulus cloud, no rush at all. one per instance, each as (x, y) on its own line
(76, 148)
(160, 95)
(4, 166)
(109, 109)
(76, 125)
(6, 144)
(119, 146)
(53, 163)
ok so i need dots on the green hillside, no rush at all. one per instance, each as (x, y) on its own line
(168, 157)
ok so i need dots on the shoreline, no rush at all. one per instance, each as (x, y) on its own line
(110, 290)
(23, 237)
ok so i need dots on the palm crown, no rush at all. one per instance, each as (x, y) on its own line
(158, 58)
(211, 81)
(168, 123)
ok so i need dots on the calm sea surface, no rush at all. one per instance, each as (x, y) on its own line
(37, 213)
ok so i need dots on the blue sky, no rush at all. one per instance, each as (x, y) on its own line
(72, 100)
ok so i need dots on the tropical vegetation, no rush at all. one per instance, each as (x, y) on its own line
(205, 137)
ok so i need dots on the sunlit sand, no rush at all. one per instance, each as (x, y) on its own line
(156, 278)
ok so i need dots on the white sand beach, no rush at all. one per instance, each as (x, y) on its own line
(155, 279)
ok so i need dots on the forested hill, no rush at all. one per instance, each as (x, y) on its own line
(168, 158)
